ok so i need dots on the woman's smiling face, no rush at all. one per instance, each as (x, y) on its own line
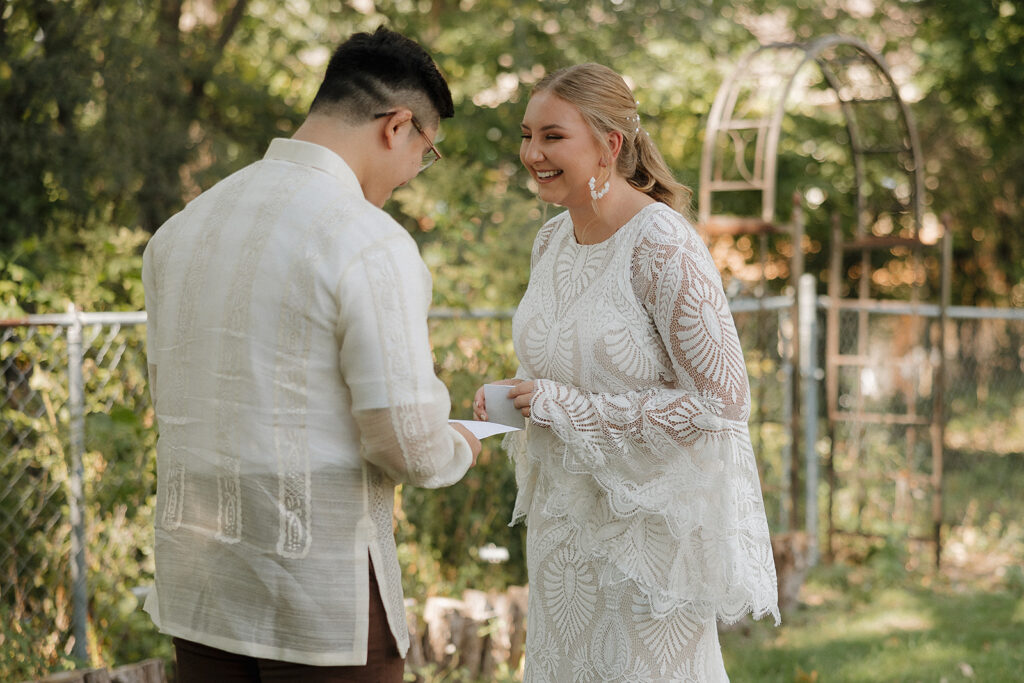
(559, 150)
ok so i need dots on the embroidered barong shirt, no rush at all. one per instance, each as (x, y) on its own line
(293, 385)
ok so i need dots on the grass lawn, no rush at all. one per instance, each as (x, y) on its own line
(852, 629)
(885, 617)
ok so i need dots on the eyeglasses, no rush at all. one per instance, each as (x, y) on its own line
(431, 155)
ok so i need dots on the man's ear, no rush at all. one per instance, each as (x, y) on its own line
(392, 123)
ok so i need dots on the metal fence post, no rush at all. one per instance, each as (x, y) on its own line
(76, 504)
(787, 335)
(809, 410)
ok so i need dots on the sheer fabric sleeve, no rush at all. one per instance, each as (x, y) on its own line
(685, 517)
(149, 280)
(400, 406)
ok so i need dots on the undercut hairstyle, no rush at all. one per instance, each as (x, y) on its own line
(371, 73)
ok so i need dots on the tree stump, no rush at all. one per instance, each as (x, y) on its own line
(477, 633)
(147, 671)
(791, 553)
(513, 617)
(415, 656)
(443, 620)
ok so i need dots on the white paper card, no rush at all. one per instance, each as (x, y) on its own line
(482, 430)
(500, 408)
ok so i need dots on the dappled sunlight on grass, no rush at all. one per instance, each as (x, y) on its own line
(1018, 615)
(900, 620)
(853, 628)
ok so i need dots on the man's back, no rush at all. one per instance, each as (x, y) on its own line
(266, 297)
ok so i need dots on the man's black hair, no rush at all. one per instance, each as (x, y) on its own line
(371, 72)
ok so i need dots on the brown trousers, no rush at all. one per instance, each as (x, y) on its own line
(198, 663)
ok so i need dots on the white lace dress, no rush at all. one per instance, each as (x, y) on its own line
(636, 473)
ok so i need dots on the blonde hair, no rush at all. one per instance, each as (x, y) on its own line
(607, 105)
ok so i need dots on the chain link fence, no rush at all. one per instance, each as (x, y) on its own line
(884, 485)
(74, 420)
(34, 526)
(77, 465)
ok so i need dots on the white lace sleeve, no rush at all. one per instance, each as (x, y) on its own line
(687, 519)
(401, 407)
(515, 446)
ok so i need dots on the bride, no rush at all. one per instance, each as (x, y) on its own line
(636, 475)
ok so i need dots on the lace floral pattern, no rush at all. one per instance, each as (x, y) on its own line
(636, 474)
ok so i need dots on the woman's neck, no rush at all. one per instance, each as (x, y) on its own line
(612, 212)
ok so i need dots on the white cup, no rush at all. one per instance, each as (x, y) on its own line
(500, 408)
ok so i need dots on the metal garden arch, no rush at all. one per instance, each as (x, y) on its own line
(741, 155)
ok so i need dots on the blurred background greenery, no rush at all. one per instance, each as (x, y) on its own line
(114, 114)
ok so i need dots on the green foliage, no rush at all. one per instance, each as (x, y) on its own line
(98, 271)
(29, 646)
(112, 115)
(974, 111)
(35, 530)
(455, 522)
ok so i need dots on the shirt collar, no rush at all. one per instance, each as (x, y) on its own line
(315, 156)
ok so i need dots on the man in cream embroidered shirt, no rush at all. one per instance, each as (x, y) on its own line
(293, 386)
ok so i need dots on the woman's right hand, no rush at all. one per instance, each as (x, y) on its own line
(480, 405)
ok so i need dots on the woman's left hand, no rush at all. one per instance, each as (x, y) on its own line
(522, 396)
(479, 402)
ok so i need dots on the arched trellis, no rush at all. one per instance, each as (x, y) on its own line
(741, 155)
(753, 101)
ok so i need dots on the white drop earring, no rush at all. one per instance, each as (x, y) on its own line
(598, 194)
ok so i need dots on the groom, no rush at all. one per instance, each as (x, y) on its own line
(293, 386)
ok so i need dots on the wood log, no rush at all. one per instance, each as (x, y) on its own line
(146, 671)
(519, 598)
(442, 618)
(477, 633)
(474, 641)
(792, 560)
(415, 657)
(78, 676)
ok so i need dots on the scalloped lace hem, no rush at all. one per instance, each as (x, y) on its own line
(740, 547)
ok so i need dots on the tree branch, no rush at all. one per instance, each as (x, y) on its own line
(3, 23)
(168, 33)
(231, 22)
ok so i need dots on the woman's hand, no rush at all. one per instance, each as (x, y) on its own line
(480, 405)
(522, 396)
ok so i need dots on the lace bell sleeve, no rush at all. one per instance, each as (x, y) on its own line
(685, 514)
(401, 407)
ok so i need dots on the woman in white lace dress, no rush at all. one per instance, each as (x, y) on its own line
(636, 475)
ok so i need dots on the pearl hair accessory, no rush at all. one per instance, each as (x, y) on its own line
(636, 119)
(598, 194)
